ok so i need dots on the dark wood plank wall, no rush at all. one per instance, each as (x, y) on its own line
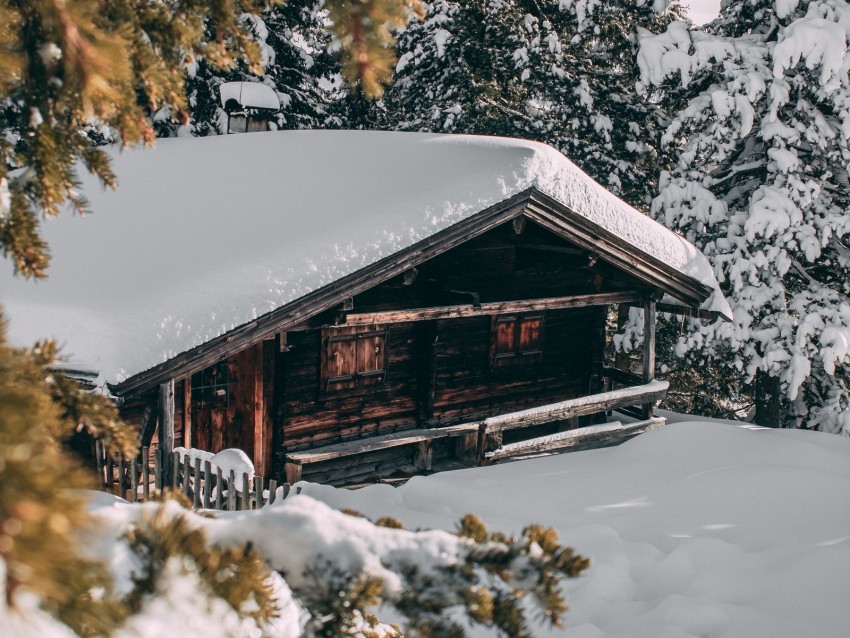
(440, 372)
(468, 388)
(312, 417)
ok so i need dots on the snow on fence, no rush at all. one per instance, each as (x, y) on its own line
(204, 484)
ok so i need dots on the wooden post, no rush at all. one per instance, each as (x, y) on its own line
(187, 477)
(648, 350)
(272, 491)
(207, 483)
(231, 492)
(187, 412)
(424, 455)
(258, 490)
(219, 486)
(246, 492)
(198, 484)
(120, 491)
(157, 469)
(145, 474)
(293, 472)
(148, 425)
(166, 415)
(134, 482)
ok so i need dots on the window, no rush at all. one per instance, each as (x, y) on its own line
(517, 340)
(211, 387)
(353, 357)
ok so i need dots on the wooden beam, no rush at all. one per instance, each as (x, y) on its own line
(687, 311)
(586, 438)
(372, 444)
(491, 308)
(648, 352)
(166, 415)
(648, 341)
(187, 412)
(148, 424)
(571, 408)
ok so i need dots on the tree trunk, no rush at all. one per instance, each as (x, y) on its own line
(768, 403)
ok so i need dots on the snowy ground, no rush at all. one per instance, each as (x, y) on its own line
(696, 529)
(709, 529)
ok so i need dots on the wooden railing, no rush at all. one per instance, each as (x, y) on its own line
(139, 479)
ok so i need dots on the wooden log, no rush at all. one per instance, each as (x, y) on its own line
(491, 308)
(166, 415)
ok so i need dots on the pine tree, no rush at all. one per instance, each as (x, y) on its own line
(761, 136)
(557, 72)
(293, 41)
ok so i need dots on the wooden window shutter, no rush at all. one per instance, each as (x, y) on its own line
(353, 357)
(517, 340)
(505, 341)
(370, 358)
(530, 336)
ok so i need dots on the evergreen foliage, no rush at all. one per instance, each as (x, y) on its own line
(39, 408)
(760, 140)
(558, 72)
(293, 42)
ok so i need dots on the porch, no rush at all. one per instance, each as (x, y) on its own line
(482, 442)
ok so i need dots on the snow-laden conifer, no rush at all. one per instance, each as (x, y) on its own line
(762, 133)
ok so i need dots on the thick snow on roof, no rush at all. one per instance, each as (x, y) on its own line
(205, 234)
(250, 94)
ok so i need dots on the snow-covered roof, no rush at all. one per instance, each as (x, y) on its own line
(250, 94)
(205, 234)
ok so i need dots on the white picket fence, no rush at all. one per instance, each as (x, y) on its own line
(138, 479)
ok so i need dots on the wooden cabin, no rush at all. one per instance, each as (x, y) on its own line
(485, 333)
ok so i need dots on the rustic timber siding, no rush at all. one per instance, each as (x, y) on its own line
(468, 388)
(441, 372)
(311, 416)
